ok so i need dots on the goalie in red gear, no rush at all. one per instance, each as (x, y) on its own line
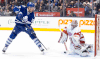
(77, 40)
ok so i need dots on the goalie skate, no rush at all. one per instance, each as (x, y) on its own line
(90, 48)
(84, 53)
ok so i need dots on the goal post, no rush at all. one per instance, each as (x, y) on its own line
(97, 33)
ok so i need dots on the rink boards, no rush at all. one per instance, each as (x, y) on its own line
(51, 23)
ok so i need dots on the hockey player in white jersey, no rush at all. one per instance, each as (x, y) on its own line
(77, 40)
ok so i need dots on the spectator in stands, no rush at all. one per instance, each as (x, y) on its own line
(56, 3)
(87, 2)
(8, 1)
(89, 14)
(40, 9)
(54, 8)
(80, 4)
(60, 9)
(72, 4)
(23, 2)
(94, 11)
(51, 3)
(43, 7)
(98, 6)
(60, 2)
(11, 9)
(16, 3)
(37, 1)
(7, 13)
(0, 7)
(45, 1)
(69, 5)
(72, 14)
(62, 12)
(1, 12)
(86, 7)
(99, 11)
(3, 7)
(37, 5)
(66, 6)
(47, 7)
(42, 3)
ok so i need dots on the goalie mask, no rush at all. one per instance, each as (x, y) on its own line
(74, 24)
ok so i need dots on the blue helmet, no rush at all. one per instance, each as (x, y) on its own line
(30, 4)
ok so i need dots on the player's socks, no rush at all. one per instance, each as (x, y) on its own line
(37, 42)
(8, 42)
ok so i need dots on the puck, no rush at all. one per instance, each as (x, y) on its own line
(64, 51)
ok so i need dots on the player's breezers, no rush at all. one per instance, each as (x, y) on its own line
(25, 15)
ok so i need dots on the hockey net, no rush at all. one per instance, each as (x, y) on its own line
(97, 33)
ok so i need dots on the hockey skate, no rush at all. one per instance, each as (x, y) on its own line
(84, 53)
(4, 49)
(90, 48)
(42, 50)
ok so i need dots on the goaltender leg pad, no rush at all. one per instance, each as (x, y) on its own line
(82, 52)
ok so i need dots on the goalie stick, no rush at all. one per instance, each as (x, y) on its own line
(64, 42)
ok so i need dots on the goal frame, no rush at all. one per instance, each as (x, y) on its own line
(97, 46)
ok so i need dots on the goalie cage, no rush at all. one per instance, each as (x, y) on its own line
(97, 34)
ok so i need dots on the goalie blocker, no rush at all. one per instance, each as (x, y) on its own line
(77, 40)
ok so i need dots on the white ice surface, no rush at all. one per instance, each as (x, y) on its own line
(23, 47)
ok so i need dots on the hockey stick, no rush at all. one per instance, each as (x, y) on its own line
(34, 34)
(64, 42)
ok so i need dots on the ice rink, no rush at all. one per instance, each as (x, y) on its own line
(23, 47)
